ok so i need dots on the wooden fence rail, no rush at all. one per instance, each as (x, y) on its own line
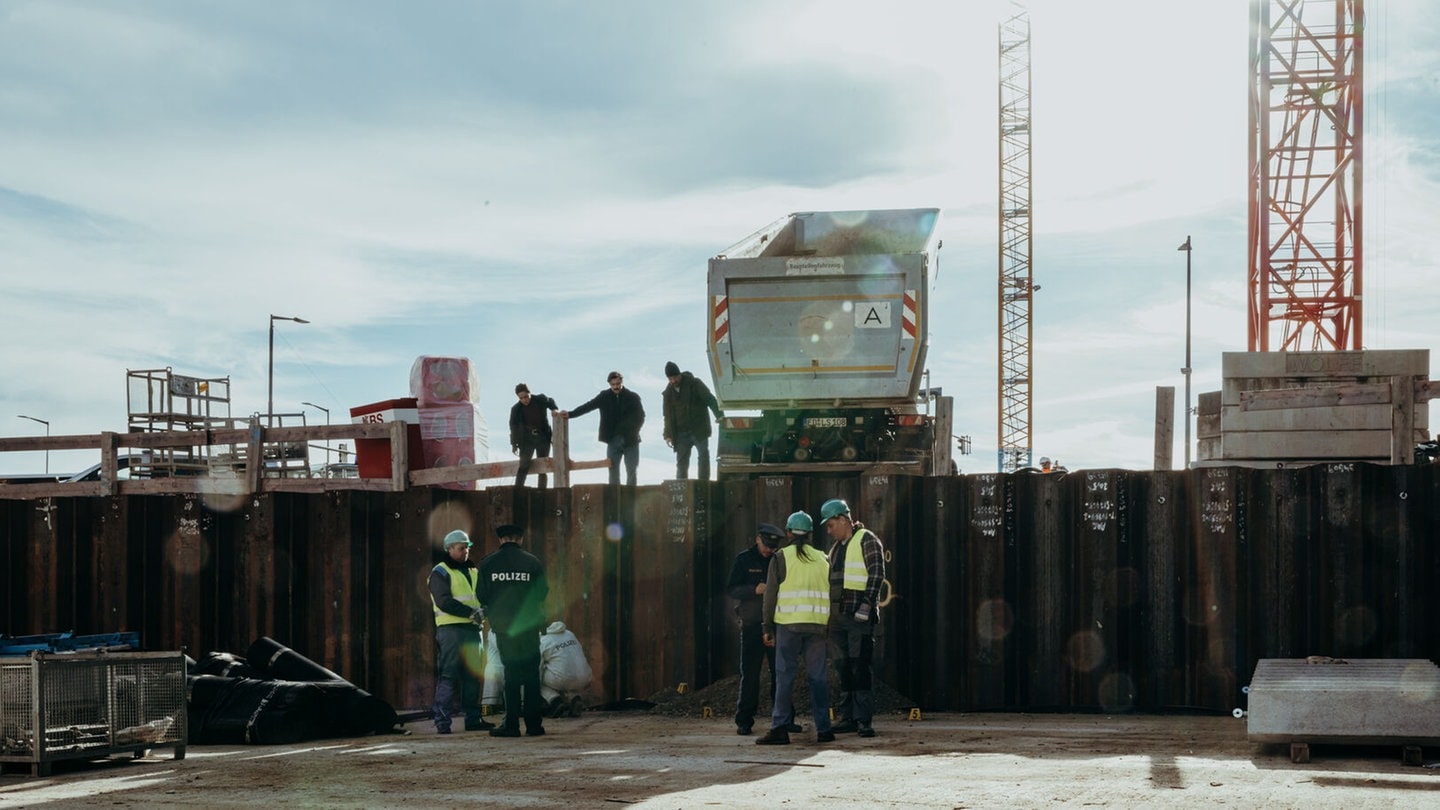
(253, 444)
(1097, 590)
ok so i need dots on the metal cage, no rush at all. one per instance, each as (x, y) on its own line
(90, 705)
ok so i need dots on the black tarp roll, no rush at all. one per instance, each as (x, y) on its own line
(227, 664)
(351, 711)
(282, 663)
(234, 711)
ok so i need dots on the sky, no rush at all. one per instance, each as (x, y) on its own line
(538, 187)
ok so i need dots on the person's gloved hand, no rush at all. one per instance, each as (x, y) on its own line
(862, 613)
(477, 616)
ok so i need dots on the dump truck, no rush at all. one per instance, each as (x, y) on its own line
(817, 346)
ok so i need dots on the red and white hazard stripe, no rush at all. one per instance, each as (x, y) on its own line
(910, 317)
(721, 319)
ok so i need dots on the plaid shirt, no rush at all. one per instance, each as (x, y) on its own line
(843, 602)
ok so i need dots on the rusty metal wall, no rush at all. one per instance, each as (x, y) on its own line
(1096, 590)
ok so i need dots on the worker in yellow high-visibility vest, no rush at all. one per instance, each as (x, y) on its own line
(796, 616)
(857, 571)
(457, 635)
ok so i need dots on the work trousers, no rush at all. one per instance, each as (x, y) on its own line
(855, 651)
(521, 655)
(619, 448)
(532, 446)
(752, 652)
(457, 663)
(790, 649)
(684, 442)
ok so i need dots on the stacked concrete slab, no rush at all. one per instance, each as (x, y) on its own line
(1371, 701)
(1280, 408)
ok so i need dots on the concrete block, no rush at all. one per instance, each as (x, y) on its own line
(1207, 426)
(1350, 417)
(1326, 365)
(1353, 445)
(1207, 449)
(1369, 701)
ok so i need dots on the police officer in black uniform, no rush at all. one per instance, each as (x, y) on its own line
(512, 590)
(747, 587)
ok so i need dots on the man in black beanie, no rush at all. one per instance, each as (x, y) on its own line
(688, 404)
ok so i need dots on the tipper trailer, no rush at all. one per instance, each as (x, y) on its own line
(818, 329)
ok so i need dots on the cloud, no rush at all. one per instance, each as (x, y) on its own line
(539, 186)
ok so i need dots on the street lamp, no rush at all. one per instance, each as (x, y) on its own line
(320, 408)
(1186, 370)
(270, 400)
(47, 435)
(327, 424)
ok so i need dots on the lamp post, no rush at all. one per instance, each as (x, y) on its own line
(327, 424)
(270, 400)
(47, 435)
(1186, 370)
(320, 408)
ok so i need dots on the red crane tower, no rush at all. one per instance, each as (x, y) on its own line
(1305, 174)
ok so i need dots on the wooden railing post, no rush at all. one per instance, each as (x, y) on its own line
(254, 456)
(399, 456)
(109, 462)
(560, 451)
(1165, 426)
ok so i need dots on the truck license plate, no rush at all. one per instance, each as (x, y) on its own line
(826, 422)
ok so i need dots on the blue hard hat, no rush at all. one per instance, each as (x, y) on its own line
(454, 537)
(833, 508)
(800, 523)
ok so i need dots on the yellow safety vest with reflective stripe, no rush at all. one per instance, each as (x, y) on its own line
(804, 596)
(463, 590)
(854, 575)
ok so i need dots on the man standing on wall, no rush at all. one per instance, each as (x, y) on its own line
(512, 590)
(530, 430)
(457, 635)
(621, 417)
(857, 569)
(688, 404)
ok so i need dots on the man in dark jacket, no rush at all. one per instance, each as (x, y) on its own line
(512, 590)
(621, 417)
(530, 430)
(747, 587)
(688, 404)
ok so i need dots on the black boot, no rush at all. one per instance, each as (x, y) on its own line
(864, 711)
(775, 736)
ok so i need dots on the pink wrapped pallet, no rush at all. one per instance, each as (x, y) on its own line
(443, 381)
(454, 434)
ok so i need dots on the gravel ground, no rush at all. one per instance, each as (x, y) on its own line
(608, 758)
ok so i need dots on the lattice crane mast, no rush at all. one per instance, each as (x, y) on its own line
(1016, 287)
(1306, 116)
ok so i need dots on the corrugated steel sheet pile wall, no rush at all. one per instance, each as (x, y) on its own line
(1097, 590)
